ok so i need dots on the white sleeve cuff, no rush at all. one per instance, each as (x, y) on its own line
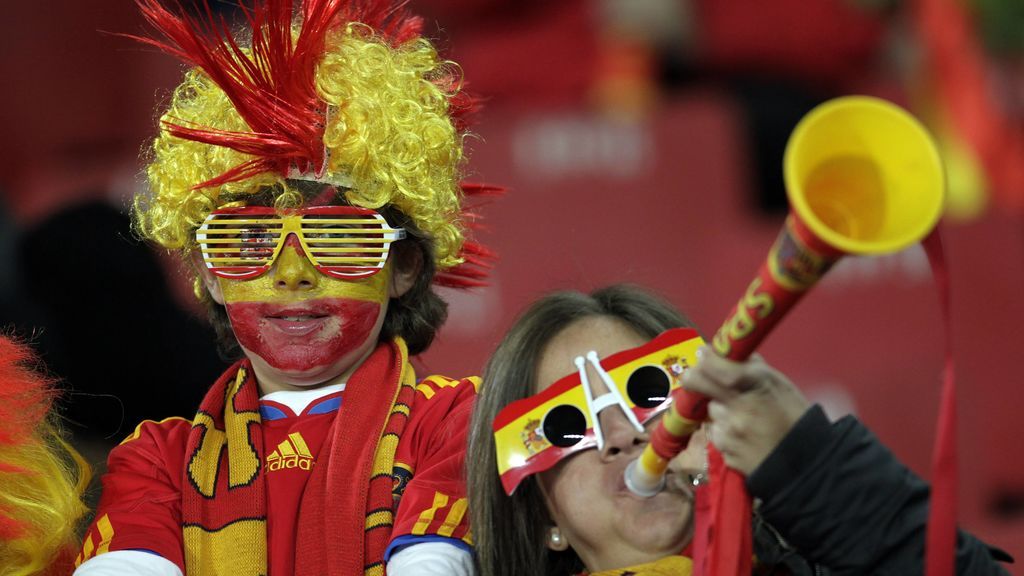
(431, 559)
(128, 563)
(426, 559)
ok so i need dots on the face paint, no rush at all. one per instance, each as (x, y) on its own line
(297, 320)
(299, 336)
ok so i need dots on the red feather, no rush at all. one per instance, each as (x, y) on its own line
(477, 259)
(463, 107)
(481, 189)
(273, 88)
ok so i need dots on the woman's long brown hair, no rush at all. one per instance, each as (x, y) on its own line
(510, 532)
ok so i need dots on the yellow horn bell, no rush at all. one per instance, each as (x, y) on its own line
(864, 176)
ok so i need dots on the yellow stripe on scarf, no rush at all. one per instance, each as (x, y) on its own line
(668, 566)
(243, 461)
(239, 547)
(384, 456)
(228, 551)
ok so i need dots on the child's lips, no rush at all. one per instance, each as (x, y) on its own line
(295, 321)
(297, 325)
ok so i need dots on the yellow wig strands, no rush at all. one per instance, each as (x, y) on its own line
(42, 478)
(388, 129)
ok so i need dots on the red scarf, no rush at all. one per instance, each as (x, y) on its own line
(346, 514)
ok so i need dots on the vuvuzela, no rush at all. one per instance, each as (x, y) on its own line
(863, 177)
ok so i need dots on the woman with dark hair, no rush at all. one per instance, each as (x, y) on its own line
(557, 508)
(516, 534)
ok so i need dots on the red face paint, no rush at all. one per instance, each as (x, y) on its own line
(300, 336)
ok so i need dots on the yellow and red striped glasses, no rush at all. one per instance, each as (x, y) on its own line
(533, 434)
(345, 242)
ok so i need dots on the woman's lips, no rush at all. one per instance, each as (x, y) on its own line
(674, 483)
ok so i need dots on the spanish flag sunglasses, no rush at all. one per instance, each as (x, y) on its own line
(345, 242)
(533, 434)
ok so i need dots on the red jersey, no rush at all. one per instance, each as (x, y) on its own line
(140, 508)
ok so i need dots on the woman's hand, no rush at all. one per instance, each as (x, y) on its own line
(753, 406)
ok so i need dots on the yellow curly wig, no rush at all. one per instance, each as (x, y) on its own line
(42, 477)
(388, 130)
(44, 494)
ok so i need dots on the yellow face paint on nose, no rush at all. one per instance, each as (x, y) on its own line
(293, 277)
(294, 270)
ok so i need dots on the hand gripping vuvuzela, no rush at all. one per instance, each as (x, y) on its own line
(863, 177)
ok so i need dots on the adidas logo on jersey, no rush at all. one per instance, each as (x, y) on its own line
(292, 453)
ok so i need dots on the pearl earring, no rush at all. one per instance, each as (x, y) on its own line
(555, 537)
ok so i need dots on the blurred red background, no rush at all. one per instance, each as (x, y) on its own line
(639, 141)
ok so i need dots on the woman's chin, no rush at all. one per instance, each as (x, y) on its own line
(661, 526)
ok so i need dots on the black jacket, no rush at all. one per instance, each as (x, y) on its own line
(834, 500)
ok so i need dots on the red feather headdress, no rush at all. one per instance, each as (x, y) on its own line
(272, 86)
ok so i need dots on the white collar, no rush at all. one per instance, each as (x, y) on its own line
(299, 400)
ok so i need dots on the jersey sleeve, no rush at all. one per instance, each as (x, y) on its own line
(140, 507)
(128, 562)
(429, 465)
(431, 559)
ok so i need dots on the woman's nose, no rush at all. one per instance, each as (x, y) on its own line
(293, 270)
(619, 434)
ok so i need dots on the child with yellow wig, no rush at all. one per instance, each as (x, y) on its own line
(310, 174)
